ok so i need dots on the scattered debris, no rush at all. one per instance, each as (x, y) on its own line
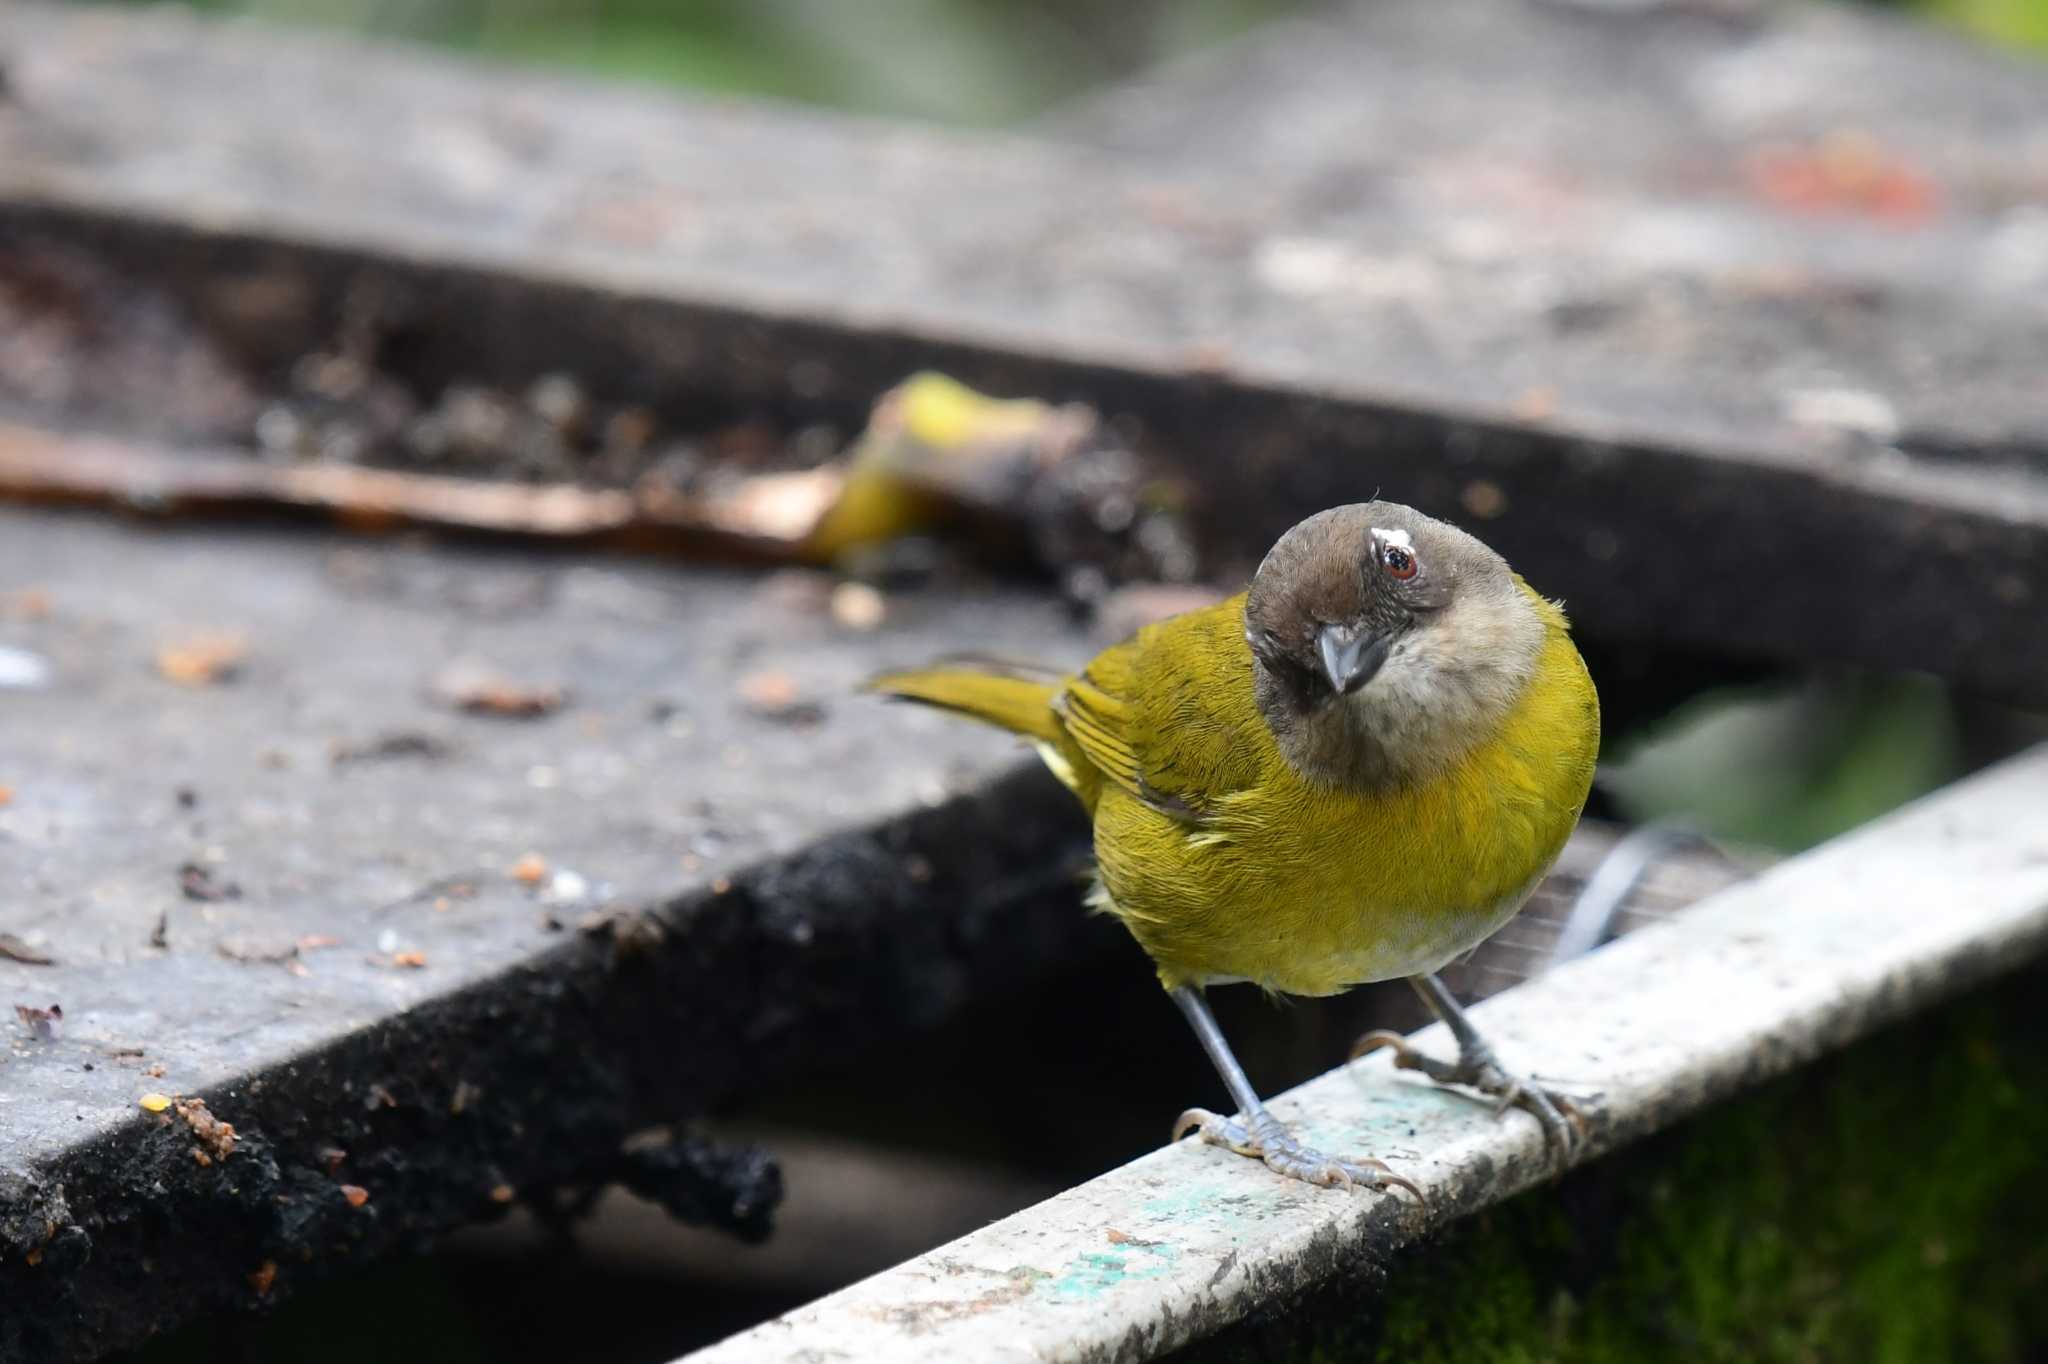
(6, 795)
(199, 883)
(187, 798)
(1851, 411)
(857, 606)
(154, 1070)
(670, 505)
(356, 1195)
(1124, 1238)
(633, 932)
(259, 950)
(503, 1193)
(397, 744)
(160, 936)
(25, 604)
(530, 870)
(21, 670)
(332, 1158)
(262, 1277)
(1536, 403)
(440, 893)
(1846, 172)
(772, 694)
(313, 942)
(155, 1103)
(216, 1138)
(479, 688)
(1018, 478)
(566, 887)
(41, 1023)
(14, 949)
(412, 960)
(202, 660)
(935, 452)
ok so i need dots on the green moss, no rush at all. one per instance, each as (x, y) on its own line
(1889, 1205)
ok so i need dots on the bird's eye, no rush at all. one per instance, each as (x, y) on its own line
(1399, 562)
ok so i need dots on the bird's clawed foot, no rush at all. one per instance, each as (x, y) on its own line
(1266, 1138)
(1564, 1126)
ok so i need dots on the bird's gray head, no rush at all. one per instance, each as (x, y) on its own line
(1386, 644)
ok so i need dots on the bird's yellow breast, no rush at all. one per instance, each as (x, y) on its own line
(1310, 889)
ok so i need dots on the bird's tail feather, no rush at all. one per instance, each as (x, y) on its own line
(1013, 698)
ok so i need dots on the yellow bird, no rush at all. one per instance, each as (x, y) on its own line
(1355, 771)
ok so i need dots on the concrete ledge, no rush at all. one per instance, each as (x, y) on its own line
(1748, 984)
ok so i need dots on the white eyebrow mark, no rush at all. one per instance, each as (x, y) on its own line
(1398, 538)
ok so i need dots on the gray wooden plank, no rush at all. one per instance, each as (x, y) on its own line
(1417, 248)
(1749, 983)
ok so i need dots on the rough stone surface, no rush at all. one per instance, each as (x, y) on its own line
(304, 892)
(1713, 334)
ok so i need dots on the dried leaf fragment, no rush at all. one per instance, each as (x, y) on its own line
(414, 960)
(530, 870)
(199, 883)
(259, 950)
(481, 689)
(14, 949)
(28, 603)
(40, 1022)
(773, 695)
(356, 1195)
(202, 660)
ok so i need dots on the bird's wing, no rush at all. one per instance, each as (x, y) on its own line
(1169, 715)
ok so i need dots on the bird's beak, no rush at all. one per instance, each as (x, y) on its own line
(1350, 657)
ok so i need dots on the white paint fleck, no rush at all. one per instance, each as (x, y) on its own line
(1304, 267)
(1856, 410)
(21, 670)
(566, 887)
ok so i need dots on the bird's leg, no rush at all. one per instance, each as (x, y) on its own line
(1478, 1068)
(1256, 1132)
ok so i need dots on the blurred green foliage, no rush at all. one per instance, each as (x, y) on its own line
(959, 61)
(1788, 765)
(2019, 23)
